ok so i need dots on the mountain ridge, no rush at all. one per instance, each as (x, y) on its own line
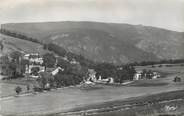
(107, 42)
(91, 22)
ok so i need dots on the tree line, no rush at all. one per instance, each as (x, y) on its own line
(19, 35)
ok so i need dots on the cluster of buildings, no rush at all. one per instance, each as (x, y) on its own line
(140, 75)
(92, 78)
(34, 58)
(36, 61)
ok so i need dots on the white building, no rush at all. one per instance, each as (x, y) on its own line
(155, 75)
(28, 68)
(54, 72)
(137, 75)
(92, 75)
(34, 58)
(106, 80)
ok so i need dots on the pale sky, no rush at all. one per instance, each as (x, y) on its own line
(167, 14)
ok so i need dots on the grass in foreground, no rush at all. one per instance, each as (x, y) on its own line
(158, 105)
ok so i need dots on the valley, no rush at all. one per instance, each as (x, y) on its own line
(116, 44)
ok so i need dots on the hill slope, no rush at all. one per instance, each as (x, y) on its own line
(107, 42)
(13, 44)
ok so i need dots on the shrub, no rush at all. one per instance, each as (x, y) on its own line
(37, 89)
(18, 89)
(49, 60)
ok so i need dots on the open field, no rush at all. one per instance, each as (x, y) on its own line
(65, 99)
(9, 89)
(172, 71)
(177, 68)
(152, 110)
(15, 44)
(171, 103)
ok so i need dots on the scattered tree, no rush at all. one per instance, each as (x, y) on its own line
(16, 55)
(18, 89)
(35, 70)
(1, 45)
(28, 87)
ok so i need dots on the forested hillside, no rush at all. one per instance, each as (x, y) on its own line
(106, 42)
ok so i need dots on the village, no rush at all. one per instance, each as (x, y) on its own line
(44, 69)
